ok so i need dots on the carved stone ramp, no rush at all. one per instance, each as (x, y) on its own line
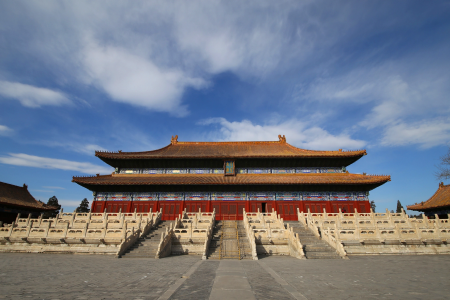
(146, 247)
(313, 246)
(229, 241)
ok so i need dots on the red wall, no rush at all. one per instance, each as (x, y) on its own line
(231, 209)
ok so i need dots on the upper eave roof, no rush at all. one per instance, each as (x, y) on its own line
(229, 150)
(440, 199)
(239, 179)
(20, 196)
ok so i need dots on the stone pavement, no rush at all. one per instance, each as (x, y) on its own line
(62, 276)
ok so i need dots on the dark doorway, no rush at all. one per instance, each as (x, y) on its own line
(263, 207)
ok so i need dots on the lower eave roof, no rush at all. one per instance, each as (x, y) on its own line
(239, 179)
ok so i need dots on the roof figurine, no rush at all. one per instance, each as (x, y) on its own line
(282, 138)
(174, 140)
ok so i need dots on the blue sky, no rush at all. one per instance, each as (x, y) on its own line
(80, 76)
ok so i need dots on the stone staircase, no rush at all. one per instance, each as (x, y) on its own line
(313, 246)
(227, 239)
(146, 247)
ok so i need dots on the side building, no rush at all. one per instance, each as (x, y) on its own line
(230, 177)
(438, 204)
(16, 200)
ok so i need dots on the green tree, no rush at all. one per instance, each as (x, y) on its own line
(53, 201)
(399, 207)
(372, 205)
(84, 206)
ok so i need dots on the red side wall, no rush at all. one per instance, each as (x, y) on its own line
(231, 209)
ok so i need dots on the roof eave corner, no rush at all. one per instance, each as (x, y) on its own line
(411, 207)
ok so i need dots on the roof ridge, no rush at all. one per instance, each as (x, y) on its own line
(17, 186)
(340, 150)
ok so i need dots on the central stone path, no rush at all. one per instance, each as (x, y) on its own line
(231, 282)
(231, 279)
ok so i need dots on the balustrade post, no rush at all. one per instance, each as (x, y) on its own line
(437, 231)
(336, 232)
(85, 229)
(418, 233)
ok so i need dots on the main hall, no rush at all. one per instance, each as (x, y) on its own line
(230, 178)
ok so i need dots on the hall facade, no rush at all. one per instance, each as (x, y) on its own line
(229, 177)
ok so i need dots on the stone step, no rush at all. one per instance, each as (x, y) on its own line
(142, 250)
(312, 242)
(307, 234)
(322, 255)
(149, 245)
(138, 256)
(145, 246)
(297, 229)
(318, 248)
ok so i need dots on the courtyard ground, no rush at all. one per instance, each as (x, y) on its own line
(62, 276)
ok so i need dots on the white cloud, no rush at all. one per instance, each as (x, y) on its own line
(135, 80)
(297, 133)
(31, 96)
(21, 159)
(229, 37)
(426, 134)
(43, 191)
(409, 109)
(5, 130)
(54, 187)
(147, 53)
(88, 149)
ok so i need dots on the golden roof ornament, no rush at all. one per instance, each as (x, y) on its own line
(174, 140)
(282, 138)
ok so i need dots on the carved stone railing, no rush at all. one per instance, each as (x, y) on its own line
(295, 246)
(423, 235)
(335, 243)
(102, 232)
(364, 220)
(165, 245)
(130, 239)
(250, 236)
(209, 237)
(314, 228)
